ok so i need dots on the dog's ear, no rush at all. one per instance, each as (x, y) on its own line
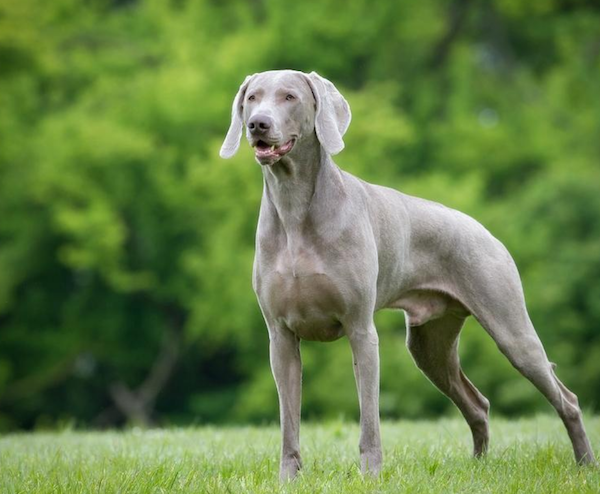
(234, 134)
(332, 116)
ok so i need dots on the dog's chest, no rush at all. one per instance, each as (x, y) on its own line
(297, 288)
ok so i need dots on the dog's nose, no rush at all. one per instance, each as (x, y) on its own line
(259, 124)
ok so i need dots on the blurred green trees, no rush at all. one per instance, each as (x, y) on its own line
(126, 244)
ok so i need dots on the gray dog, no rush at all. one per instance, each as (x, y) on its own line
(332, 249)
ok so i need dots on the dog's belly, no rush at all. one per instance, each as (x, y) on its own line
(306, 303)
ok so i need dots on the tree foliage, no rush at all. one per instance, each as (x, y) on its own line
(126, 244)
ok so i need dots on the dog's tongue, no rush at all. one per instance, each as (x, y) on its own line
(265, 151)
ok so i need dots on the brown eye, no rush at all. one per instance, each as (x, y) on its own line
(290, 97)
(251, 97)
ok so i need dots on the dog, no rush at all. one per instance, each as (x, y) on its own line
(332, 249)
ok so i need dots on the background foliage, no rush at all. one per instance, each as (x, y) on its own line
(126, 244)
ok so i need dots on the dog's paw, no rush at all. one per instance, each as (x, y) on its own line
(370, 462)
(289, 468)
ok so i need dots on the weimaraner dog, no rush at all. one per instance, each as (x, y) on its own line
(332, 249)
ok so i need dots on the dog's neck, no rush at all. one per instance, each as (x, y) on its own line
(293, 184)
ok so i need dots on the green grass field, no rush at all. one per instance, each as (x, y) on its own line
(526, 456)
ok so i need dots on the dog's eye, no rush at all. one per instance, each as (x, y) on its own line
(251, 97)
(290, 97)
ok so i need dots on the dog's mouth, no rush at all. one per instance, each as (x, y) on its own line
(270, 153)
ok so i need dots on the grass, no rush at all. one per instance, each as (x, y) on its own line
(526, 456)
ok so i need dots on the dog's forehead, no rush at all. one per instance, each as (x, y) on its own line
(279, 79)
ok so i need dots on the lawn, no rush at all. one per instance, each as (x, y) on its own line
(526, 456)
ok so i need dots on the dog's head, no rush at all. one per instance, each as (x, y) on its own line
(279, 108)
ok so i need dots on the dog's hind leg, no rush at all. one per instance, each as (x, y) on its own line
(516, 338)
(498, 304)
(434, 348)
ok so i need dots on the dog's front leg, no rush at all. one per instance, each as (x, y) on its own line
(284, 349)
(365, 352)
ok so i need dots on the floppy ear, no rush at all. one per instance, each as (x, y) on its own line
(332, 116)
(234, 134)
